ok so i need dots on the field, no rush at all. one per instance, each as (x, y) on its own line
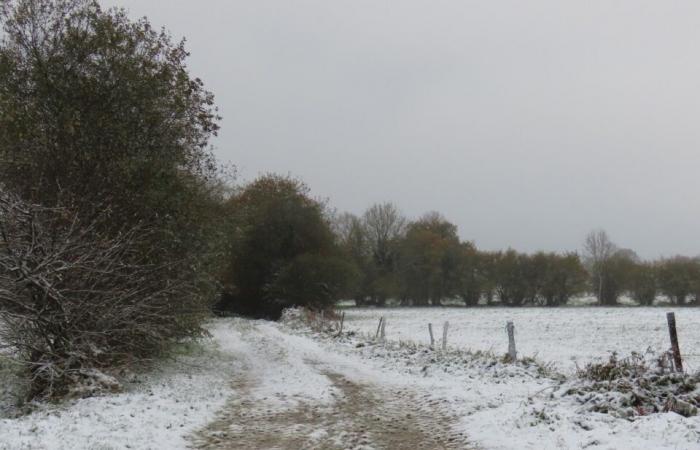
(566, 337)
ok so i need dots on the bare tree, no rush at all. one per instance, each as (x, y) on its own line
(598, 249)
(383, 225)
(344, 227)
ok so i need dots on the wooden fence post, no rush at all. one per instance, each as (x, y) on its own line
(677, 360)
(383, 337)
(379, 327)
(342, 321)
(432, 338)
(511, 341)
(444, 335)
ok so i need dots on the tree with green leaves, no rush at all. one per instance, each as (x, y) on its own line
(429, 261)
(99, 113)
(284, 252)
(513, 286)
(617, 275)
(678, 277)
(643, 283)
(473, 274)
(563, 278)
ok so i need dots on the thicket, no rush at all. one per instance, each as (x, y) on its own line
(110, 202)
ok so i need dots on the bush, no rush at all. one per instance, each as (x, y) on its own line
(311, 280)
(74, 301)
(636, 385)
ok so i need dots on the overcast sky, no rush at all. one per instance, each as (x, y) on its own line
(526, 123)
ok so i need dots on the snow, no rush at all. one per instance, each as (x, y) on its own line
(262, 368)
(502, 406)
(158, 412)
(565, 336)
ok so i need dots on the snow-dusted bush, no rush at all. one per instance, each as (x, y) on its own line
(636, 385)
(74, 302)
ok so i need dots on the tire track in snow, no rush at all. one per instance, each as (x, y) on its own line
(267, 414)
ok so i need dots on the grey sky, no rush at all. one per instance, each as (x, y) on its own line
(526, 123)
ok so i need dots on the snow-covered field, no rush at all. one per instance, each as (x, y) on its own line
(262, 385)
(564, 336)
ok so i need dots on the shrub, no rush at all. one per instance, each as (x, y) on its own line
(74, 301)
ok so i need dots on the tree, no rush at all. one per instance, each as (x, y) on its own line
(488, 261)
(617, 275)
(473, 274)
(352, 241)
(513, 287)
(643, 283)
(284, 250)
(384, 225)
(99, 113)
(677, 278)
(97, 106)
(563, 278)
(598, 250)
(429, 261)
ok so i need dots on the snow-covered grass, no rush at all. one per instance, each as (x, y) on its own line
(158, 409)
(568, 337)
(279, 370)
(513, 406)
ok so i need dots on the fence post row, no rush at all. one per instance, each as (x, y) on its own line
(510, 328)
(677, 360)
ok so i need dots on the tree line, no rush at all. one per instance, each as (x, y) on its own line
(423, 262)
(293, 250)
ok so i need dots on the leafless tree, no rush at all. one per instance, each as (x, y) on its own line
(73, 302)
(344, 226)
(383, 225)
(598, 249)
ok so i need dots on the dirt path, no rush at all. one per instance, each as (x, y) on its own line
(360, 415)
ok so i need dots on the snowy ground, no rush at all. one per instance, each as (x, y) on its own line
(263, 385)
(158, 410)
(564, 336)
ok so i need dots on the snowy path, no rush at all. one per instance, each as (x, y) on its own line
(294, 394)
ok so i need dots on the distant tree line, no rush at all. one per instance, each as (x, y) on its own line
(615, 271)
(424, 263)
(291, 249)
